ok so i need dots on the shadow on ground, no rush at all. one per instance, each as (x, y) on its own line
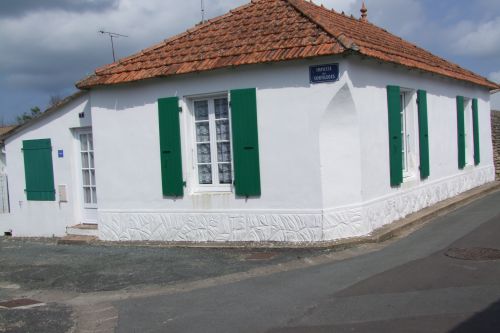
(487, 321)
(51, 318)
(42, 264)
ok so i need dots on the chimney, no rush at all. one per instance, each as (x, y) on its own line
(364, 13)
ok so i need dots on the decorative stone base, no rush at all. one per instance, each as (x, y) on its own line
(362, 220)
(495, 133)
(333, 224)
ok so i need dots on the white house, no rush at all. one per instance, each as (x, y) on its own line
(495, 100)
(4, 196)
(279, 121)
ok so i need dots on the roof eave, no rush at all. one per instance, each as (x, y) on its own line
(48, 112)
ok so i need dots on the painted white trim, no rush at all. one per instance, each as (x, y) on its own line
(88, 211)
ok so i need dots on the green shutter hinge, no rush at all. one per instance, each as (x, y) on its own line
(180, 108)
(184, 183)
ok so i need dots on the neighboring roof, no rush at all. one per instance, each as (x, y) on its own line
(5, 129)
(270, 31)
(53, 109)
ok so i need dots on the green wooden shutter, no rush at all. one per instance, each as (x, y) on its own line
(170, 147)
(475, 120)
(395, 137)
(461, 131)
(423, 126)
(38, 170)
(245, 142)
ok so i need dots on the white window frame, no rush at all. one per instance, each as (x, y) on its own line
(79, 133)
(469, 130)
(193, 180)
(409, 132)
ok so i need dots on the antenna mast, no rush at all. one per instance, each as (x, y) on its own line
(202, 11)
(111, 36)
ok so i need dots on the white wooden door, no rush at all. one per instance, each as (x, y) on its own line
(4, 196)
(88, 186)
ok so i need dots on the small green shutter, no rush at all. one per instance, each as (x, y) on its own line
(38, 170)
(475, 119)
(245, 142)
(170, 147)
(395, 137)
(423, 134)
(461, 131)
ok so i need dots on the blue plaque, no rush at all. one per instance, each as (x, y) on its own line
(324, 73)
(60, 153)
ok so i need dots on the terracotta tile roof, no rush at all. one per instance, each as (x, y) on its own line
(269, 31)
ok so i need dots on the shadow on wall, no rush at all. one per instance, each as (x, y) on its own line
(132, 95)
(340, 148)
(486, 321)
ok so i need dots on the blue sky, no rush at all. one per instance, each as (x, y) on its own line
(46, 46)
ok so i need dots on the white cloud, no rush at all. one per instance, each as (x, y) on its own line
(45, 42)
(495, 77)
(482, 39)
(339, 5)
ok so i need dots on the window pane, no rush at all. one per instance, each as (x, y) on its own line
(91, 142)
(86, 177)
(223, 130)
(205, 174)
(86, 195)
(85, 160)
(202, 132)
(225, 175)
(221, 108)
(204, 153)
(92, 177)
(94, 195)
(224, 152)
(201, 110)
(91, 159)
(83, 142)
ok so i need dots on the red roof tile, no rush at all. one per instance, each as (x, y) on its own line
(269, 31)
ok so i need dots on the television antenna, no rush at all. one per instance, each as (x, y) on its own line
(111, 36)
(202, 11)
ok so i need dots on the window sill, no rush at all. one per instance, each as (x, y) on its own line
(409, 181)
(209, 193)
(211, 190)
(468, 167)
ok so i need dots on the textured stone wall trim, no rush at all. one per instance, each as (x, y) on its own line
(284, 227)
(362, 220)
(495, 130)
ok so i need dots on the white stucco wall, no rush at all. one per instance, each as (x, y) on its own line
(45, 219)
(130, 195)
(2, 159)
(381, 204)
(324, 157)
(323, 152)
(495, 101)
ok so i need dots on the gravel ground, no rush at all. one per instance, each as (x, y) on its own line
(51, 318)
(42, 264)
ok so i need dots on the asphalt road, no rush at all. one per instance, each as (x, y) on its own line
(408, 286)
